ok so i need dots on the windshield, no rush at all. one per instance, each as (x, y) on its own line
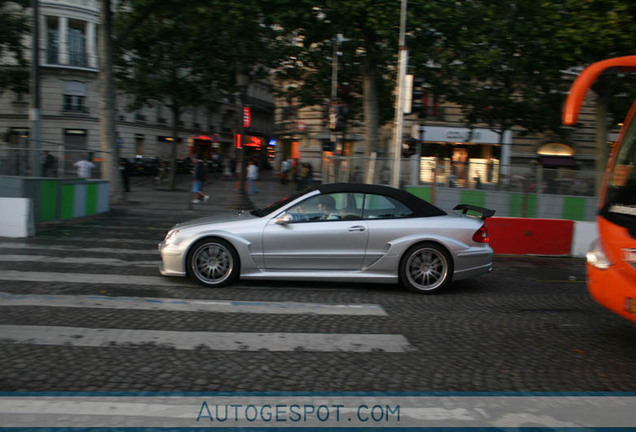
(278, 204)
(620, 201)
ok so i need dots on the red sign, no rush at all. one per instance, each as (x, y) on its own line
(247, 117)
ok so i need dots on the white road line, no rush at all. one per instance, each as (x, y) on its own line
(43, 241)
(87, 278)
(190, 305)
(118, 228)
(78, 260)
(30, 246)
(217, 341)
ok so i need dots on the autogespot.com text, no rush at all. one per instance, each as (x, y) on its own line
(245, 411)
(299, 413)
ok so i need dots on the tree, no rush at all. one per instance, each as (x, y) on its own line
(370, 28)
(14, 25)
(504, 62)
(188, 54)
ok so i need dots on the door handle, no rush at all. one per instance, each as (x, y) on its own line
(356, 228)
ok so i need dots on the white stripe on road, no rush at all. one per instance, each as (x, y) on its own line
(86, 278)
(190, 305)
(217, 341)
(77, 260)
(29, 246)
(44, 241)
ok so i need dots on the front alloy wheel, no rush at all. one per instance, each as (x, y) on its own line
(426, 268)
(213, 262)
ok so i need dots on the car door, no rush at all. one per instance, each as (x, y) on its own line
(387, 219)
(315, 239)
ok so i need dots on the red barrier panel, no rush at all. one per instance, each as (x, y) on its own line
(530, 236)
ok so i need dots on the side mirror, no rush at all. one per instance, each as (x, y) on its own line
(283, 219)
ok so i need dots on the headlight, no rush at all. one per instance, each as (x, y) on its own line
(171, 237)
(596, 257)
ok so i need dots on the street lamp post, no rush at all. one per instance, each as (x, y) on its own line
(399, 104)
(241, 200)
(36, 133)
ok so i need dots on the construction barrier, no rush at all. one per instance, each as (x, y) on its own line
(56, 199)
(523, 236)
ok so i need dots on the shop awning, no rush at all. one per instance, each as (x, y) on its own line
(558, 162)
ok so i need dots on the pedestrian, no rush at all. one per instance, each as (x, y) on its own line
(252, 176)
(84, 168)
(227, 168)
(124, 170)
(162, 170)
(284, 171)
(309, 175)
(198, 176)
(48, 167)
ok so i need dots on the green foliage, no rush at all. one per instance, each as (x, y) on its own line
(14, 24)
(504, 61)
(369, 49)
(187, 54)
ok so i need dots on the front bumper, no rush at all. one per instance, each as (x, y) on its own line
(172, 260)
(614, 289)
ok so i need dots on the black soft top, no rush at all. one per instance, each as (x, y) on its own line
(419, 207)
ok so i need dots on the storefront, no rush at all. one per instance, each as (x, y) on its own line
(462, 157)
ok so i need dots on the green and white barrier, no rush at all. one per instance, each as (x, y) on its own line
(513, 204)
(58, 199)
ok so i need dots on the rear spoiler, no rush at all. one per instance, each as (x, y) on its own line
(485, 213)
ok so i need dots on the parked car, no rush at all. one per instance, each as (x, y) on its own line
(335, 232)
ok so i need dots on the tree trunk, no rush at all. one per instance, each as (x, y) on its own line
(371, 109)
(110, 156)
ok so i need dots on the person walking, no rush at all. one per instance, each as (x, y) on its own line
(252, 176)
(84, 168)
(198, 175)
(284, 168)
(124, 170)
(48, 166)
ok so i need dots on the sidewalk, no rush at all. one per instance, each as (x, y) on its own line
(147, 198)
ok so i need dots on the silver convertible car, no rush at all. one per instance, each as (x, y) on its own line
(335, 232)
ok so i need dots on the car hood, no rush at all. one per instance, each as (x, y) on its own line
(216, 219)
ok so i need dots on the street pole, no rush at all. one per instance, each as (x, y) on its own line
(334, 89)
(399, 104)
(110, 165)
(35, 117)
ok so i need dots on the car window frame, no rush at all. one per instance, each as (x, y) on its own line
(287, 210)
(391, 200)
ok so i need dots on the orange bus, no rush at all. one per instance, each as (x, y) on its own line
(611, 261)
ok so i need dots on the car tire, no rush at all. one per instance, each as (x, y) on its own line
(213, 262)
(426, 268)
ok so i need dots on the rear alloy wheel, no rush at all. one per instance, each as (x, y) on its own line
(213, 262)
(426, 268)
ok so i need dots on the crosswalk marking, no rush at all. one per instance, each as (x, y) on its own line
(189, 305)
(118, 251)
(78, 260)
(116, 254)
(217, 341)
(88, 278)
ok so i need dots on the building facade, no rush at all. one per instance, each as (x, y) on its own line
(69, 69)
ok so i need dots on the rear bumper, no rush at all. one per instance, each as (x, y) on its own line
(473, 262)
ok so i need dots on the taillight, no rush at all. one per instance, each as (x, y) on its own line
(481, 235)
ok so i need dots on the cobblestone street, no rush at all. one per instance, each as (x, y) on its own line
(83, 308)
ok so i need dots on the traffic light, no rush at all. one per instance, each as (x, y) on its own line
(338, 117)
(328, 145)
(409, 147)
(417, 104)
